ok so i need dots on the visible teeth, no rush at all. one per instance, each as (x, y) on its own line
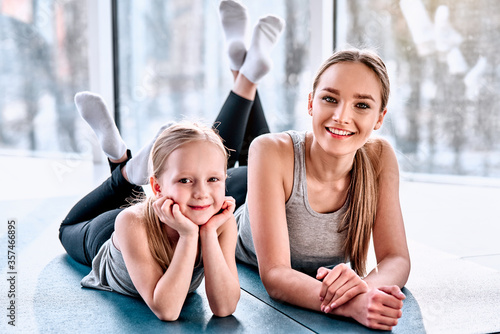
(339, 132)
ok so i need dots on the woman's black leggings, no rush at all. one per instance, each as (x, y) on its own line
(91, 221)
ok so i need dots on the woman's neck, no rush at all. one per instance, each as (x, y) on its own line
(327, 168)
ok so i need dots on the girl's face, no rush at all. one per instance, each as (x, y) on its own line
(194, 177)
(346, 107)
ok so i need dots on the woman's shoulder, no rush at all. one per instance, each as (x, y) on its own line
(272, 141)
(381, 153)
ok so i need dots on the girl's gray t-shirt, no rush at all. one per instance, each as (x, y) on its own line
(109, 272)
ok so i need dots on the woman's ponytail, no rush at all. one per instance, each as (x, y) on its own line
(362, 208)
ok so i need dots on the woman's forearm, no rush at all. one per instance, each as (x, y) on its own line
(291, 286)
(392, 270)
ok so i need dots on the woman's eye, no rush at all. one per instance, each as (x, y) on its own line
(362, 106)
(329, 99)
(213, 179)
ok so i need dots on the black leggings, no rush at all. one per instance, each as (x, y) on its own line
(91, 221)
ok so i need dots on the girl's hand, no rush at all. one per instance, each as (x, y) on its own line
(220, 218)
(171, 215)
(339, 286)
(379, 308)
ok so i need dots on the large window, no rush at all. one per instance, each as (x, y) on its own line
(173, 64)
(43, 62)
(443, 57)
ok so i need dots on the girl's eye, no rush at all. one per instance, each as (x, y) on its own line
(184, 181)
(329, 99)
(213, 179)
(362, 106)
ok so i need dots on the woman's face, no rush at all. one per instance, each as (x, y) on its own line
(194, 177)
(346, 107)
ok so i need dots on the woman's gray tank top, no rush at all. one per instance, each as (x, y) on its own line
(314, 240)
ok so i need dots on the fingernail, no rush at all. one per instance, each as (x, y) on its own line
(333, 305)
(321, 298)
(322, 308)
(327, 309)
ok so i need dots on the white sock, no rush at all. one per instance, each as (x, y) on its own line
(234, 18)
(265, 35)
(94, 111)
(137, 167)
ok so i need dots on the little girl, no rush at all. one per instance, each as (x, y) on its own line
(161, 247)
(153, 249)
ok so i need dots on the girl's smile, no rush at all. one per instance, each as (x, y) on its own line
(194, 178)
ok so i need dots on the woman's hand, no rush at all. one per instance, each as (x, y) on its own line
(340, 285)
(171, 215)
(379, 308)
(220, 218)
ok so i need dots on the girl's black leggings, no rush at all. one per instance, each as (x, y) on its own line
(91, 221)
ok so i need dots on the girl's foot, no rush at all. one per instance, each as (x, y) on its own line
(136, 170)
(93, 110)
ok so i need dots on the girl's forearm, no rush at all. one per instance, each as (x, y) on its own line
(172, 288)
(221, 284)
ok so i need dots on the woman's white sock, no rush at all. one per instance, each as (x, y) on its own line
(265, 36)
(234, 18)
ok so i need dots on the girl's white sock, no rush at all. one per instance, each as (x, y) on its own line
(137, 168)
(234, 18)
(94, 111)
(265, 35)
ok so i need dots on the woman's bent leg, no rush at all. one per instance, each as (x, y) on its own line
(231, 124)
(236, 184)
(256, 126)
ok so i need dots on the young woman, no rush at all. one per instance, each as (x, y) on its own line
(315, 198)
(160, 248)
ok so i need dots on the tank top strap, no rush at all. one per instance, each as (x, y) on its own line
(299, 171)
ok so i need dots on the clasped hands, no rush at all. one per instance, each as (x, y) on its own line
(344, 293)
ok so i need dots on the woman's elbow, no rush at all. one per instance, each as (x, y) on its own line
(272, 285)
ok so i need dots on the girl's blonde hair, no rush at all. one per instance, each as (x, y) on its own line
(363, 188)
(168, 141)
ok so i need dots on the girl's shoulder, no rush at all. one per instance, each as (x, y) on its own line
(129, 224)
(131, 217)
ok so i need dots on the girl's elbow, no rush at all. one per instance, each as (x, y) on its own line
(169, 317)
(225, 309)
(168, 314)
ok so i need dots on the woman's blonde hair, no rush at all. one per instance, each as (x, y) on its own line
(363, 188)
(168, 141)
